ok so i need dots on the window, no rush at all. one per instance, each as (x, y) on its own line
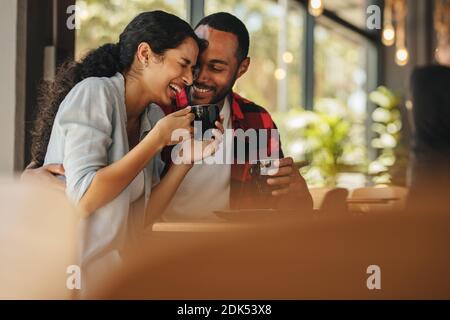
(103, 21)
(340, 82)
(353, 11)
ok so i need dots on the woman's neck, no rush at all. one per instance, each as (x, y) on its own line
(135, 98)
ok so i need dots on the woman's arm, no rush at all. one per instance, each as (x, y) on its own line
(85, 125)
(164, 191)
(111, 180)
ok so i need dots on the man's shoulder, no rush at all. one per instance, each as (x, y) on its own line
(255, 116)
(247, 105)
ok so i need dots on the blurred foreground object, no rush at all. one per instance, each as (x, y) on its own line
(293, 259)
(330, 201)
(37, 241)
(430, 170)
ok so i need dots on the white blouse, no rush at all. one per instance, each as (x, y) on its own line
(89, 133)
(137, 187)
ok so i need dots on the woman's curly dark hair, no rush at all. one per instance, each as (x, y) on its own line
(161, 30)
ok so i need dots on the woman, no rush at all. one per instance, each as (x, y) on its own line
(101, 132)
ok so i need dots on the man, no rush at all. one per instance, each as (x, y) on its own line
(207, 187)
(223, 62)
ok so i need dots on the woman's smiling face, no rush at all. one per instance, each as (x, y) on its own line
(165, 76)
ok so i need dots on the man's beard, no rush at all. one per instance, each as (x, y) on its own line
(220, 96)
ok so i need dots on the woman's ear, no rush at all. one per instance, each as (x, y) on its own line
(243, 67)
(145, 55)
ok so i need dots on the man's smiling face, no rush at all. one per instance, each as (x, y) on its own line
(218, 66)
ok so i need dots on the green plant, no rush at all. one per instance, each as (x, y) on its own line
(391, 157)
(317, 138)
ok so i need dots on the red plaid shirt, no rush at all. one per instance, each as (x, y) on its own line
(244, 115)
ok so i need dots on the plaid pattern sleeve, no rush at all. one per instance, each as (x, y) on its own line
(246, 115)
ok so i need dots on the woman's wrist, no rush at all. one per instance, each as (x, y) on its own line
(182, 167)
(156, 135)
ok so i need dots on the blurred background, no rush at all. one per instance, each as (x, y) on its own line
(334, 74)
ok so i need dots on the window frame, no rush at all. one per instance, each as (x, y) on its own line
(374, 65)
(372, 37)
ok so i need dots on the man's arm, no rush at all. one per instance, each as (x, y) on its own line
(45, 174)
(293, 191)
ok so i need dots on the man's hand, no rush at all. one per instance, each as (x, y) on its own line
(289, 181)
(45, 174)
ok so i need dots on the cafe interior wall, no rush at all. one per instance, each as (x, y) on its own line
(11, 76)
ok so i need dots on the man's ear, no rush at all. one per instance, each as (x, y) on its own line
(243, 67)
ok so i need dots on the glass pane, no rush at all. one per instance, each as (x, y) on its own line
(340, 73)
(102, 21)
(274, 78)
(354, 11)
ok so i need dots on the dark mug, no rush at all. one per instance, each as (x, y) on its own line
(259, 172)
(207, 114)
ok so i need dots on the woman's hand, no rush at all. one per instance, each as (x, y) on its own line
(175, 127)
(191, 150)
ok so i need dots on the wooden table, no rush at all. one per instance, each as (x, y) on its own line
(231, 224)
(370, 200)
(198, 226)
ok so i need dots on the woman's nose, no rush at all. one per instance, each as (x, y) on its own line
(188, 78)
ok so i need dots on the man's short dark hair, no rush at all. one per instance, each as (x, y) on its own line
(226, 22)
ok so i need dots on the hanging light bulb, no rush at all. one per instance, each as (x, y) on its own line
(315, 7)
(401, 53)
(401, 56)
(388, 35)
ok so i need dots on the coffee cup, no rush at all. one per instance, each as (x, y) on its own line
(206, 115)
(259, 172)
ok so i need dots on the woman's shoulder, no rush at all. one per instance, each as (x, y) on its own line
(100, 85)
(95, 101)
(103, 92)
